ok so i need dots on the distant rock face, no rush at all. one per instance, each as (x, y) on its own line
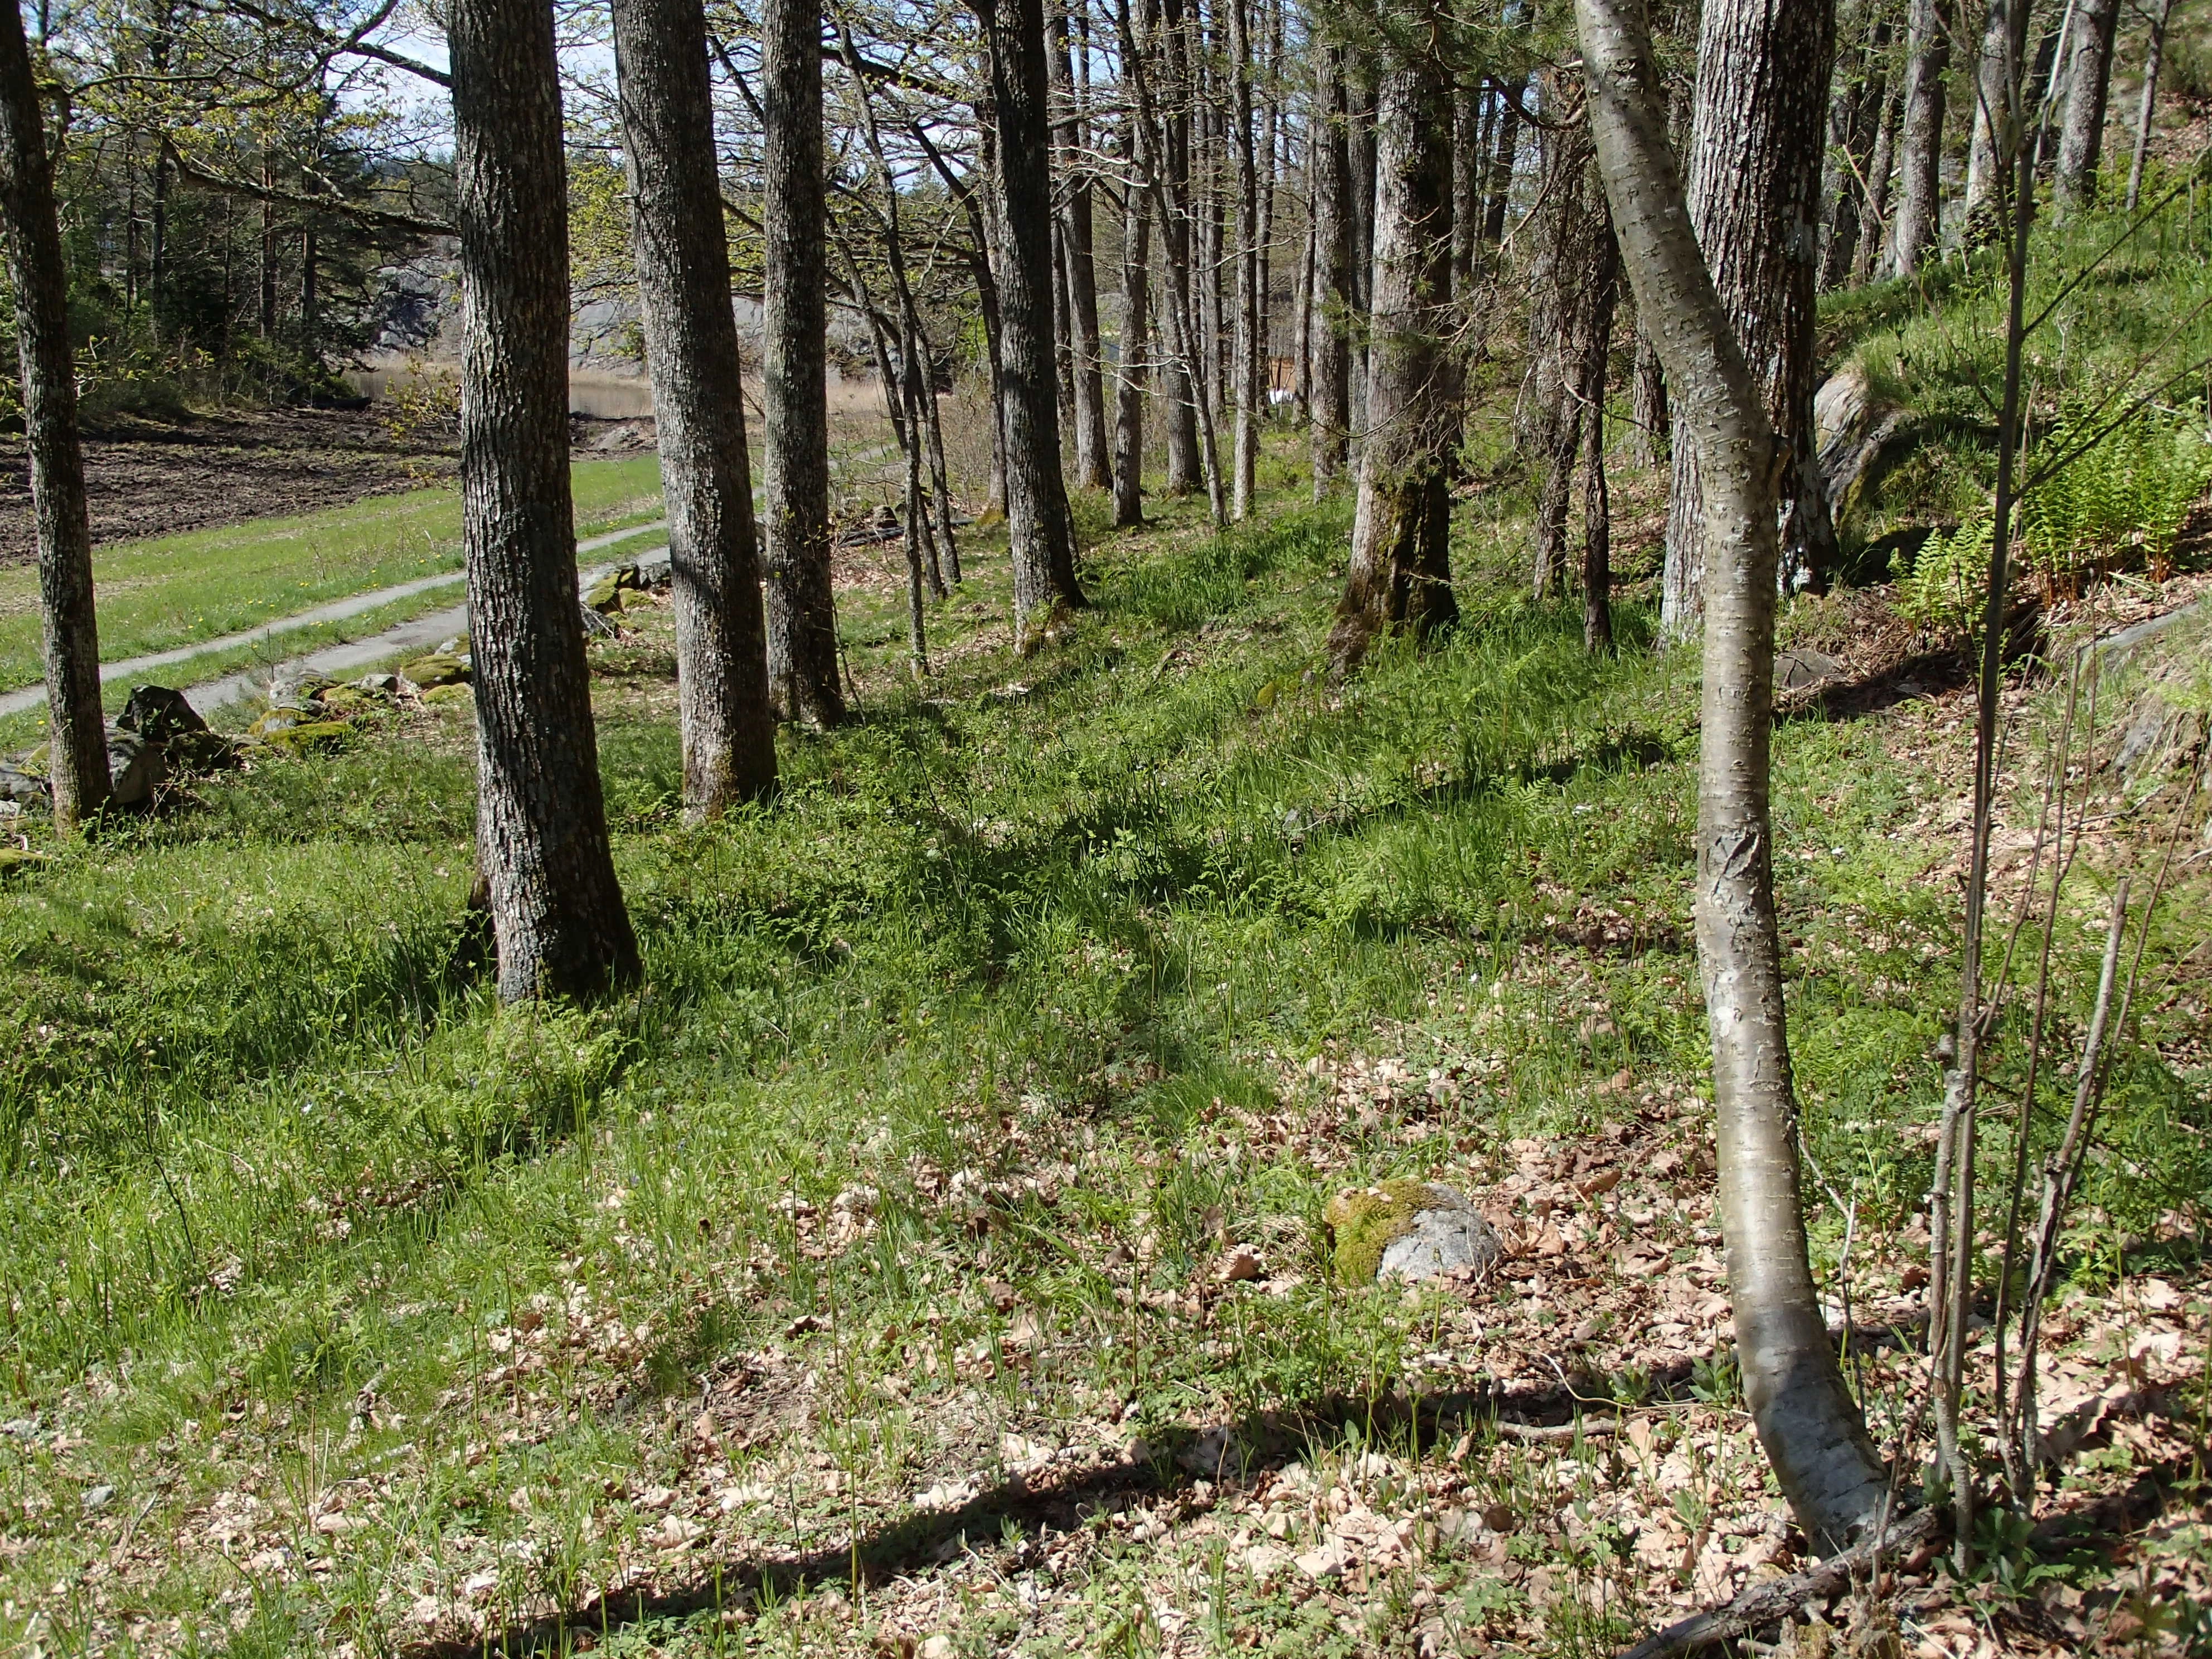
(1410, 1230)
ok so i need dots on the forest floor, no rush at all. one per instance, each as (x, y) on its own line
(927, 1261)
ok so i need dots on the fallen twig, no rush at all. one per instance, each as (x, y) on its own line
(1771, 1603)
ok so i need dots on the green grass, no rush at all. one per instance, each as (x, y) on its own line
(1024, 951)
(2130, 314)
(174, 590)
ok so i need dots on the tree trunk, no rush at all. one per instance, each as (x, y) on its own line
(1810, 1429)
(1248, 350)
(542, 848)
(1919, 187)
(723, 716)
(1989, 160)
(1079, 276)
(1400, 571)
(1501, 167)
(1649, 446)
(1604, 285)
(1754, 199)
(1334, 301)
(801, 606)
(1874, 236)
(77, 772)
(1560, 278)
(1184, 475)
(1468, 103)
(2088, 83)
(1136, 346)
(1037, 495)
(1854, 129)
(2153, 60)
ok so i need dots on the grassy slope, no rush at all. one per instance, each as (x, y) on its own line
(379, 1310)
(157, 594)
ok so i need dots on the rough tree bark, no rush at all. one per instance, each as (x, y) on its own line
(1919, 201)
(802, 613)
(1754, 204)
(1136, 347)
(2088, 83)
(1248, 352)
(1989, 151)
(2147, 106)
(1807, 1423)
(1400, 573)
(1178, 392)
(1881, 169)
(542, 848)
(1560, 278)
(78, 773)
(1079, 272)
(1037, 516)
(723, 716)
(1501, 167)
(1854, 129)
(1332, 298)
(1596, 351)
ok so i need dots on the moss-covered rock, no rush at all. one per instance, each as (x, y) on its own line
(308, 737)
(1408, 1230)
(438, 668)
(346, 701)
(441, 697)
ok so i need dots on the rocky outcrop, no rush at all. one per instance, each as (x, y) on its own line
(1860, 436)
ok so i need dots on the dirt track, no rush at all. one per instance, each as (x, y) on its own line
(146, 479)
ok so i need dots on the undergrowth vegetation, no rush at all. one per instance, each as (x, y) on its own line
(934, 1062)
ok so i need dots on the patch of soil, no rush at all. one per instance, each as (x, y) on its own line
(154, 478)
(148, 478)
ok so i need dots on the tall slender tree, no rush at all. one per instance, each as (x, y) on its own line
(1928, 62)
(1333, 297)
(1076, 247)
(1037, 515)
(542, 853)
(723, 716)
(2088, 83)
(2147, 102)
(802, 611)
(78, 772)
(1807, 1423)
(1400, 569)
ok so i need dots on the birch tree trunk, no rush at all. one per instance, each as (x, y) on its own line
(77, 733)
(542, 847)
(1754, 207)
(1400, 569)
(1807, 1423)
(2088, 83)
(802, 611)
(1037, 518)
(1919, 202)
(723, 717)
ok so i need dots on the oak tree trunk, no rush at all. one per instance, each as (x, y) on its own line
(723, 716)
(542, 848)
(1400, 572)
(1919, 185)
(1037, 516)
(78, 772)
(2088, 82)
(1807, 1423)
(801, 607)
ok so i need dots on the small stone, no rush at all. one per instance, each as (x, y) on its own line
(1410, 1229)
(97, 1497)
(1803, 668)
